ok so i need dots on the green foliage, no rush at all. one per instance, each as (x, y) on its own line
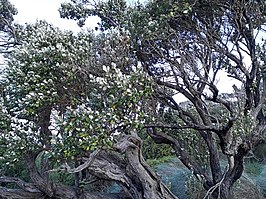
(89, 83)
(13, 167)
(151, 150)
(43, 71)
(80, 11)
(194, 188)
(62, 177)
(4, 117)
(160, 160)
(113, 110)
(7, 12)
(8, 28)
(188, 138)
(97, 86)
(190, 143)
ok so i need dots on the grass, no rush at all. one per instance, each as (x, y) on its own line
(253, 168)
(246, 188)
(155, 162)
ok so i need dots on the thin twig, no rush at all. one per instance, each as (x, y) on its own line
(214, 187)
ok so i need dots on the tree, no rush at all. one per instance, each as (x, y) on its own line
(79, 100)
(7, 27)
(183, 46)
(69, 103)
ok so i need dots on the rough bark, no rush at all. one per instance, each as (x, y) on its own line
(131, 172)
(42, 188)
(25, 190)
(213, 36)
(123, 165)
(149, 184)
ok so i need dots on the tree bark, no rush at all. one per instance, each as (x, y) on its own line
(131, 172)
(233, 172)
(149, 185)
(124, 165)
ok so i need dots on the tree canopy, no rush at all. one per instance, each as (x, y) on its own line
(77, 102)
(7, 26)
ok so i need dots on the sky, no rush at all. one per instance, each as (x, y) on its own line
(31, 10)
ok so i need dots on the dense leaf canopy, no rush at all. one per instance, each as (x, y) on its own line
(80, 100)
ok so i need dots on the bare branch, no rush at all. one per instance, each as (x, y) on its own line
(65, 167)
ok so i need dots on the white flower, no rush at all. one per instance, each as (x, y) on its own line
(59, 46)
(106, 68)
(113, 64)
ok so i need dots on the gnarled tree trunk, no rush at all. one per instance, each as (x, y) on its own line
(123, 165)
(131, 172)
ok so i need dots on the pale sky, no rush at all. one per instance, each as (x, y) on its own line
(31, 10)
